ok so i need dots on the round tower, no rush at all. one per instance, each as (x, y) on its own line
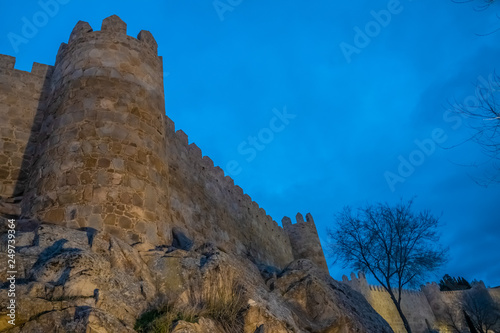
(100, 159)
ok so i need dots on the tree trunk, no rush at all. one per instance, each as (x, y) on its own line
(401, 314)
(471, 326)
(403, 318)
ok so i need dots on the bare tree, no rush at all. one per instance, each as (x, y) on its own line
(394, 244)
(482, 115)
(453, 318)
(480, 4)
(482, 310)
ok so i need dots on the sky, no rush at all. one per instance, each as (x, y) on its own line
(311, 106)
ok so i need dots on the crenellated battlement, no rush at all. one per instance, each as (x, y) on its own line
(7, 62)
(195, 154)
(7, 67)
(110, 54)
(112, 26)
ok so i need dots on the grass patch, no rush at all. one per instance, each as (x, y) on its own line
(161, 320)
(220, 298)
(222, 301)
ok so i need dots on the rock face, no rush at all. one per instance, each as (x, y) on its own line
(90, 281)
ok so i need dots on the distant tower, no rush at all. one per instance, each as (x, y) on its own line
(359, 284)
(305, 240)
(101, 145)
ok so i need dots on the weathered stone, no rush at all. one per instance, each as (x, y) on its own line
(54, 216)
(136, 200)
(95, 221)
(71, 178)
(68, 198)
(90, 162)
(80, 29)
(3, 160)
(114, 24)
(124, 222)
(148, 39)
(10, 209)
(110, 219)
(85, 178)
(140, 227)
(99, 194)
(118, 164)
(103, 163)
(4, 173)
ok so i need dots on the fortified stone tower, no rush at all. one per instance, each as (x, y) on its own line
(101, 148)
(305, 240)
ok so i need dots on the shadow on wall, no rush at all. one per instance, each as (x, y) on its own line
(22, 111)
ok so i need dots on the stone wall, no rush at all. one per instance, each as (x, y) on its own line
(428, 307)
(104, 155)
(495, 294)
(23, 94)
(447, 305)
(414, 304)
(443, 304)
(207, 205)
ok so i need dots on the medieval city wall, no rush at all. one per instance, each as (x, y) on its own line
(104, 155)
(447, 305)
(414, 305)
(427, 308)
(207, 205)
(22, 96)
(495, 294)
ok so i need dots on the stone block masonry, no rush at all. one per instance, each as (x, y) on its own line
(22, 99)
(86, 144)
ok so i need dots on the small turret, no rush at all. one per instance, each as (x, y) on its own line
(305, 240)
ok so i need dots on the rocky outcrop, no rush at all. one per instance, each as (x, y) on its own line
(89, 281)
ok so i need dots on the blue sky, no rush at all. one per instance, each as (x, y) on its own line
(353, 116)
